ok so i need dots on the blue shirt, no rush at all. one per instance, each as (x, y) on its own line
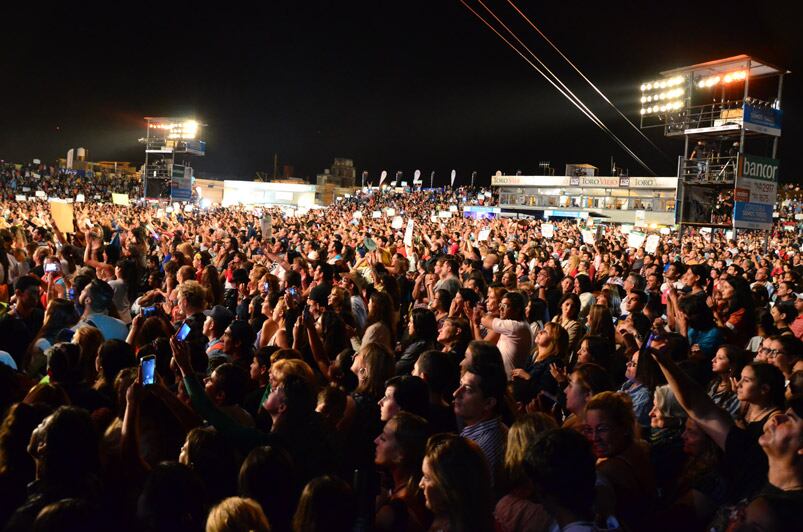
(709, 341)
(642, 401)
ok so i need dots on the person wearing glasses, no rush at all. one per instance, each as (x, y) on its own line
(785, 352)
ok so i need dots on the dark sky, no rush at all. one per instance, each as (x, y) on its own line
(393, 85)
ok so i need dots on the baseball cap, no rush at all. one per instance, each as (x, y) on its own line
(220, 315)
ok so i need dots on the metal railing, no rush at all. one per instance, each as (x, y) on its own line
(704, 116)
(713, 169)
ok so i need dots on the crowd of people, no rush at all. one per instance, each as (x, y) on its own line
(26, 179)
(247, 369)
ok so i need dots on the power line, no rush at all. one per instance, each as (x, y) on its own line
(580, 73)
(571, 98)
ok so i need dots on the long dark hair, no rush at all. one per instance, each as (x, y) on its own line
(130, 276)
(215, 286)
(425, 327)
(382, 311)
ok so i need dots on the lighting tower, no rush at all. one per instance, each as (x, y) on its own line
(729, 114)
(166, 176)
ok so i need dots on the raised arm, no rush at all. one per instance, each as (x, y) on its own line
(715, 421)
(129, 436)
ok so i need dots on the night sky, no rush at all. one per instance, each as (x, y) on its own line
(393, 85)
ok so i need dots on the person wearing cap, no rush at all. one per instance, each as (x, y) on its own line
(20, 325)
(215, 324)
(97, 298)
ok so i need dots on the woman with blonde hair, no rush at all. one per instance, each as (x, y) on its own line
(623, 460)
(89, 339)
(516, 511)
(373, 364)
(280, 369)
(551, 348)
(236, 514)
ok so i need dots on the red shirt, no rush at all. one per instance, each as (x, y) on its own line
(797, 327)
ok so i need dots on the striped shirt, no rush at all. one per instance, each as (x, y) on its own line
(725, 399)
(491, 436)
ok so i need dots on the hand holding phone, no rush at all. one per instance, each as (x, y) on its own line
(183, 332)
(148, 364)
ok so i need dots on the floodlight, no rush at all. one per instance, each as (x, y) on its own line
(643, 111)
(643, 87)
(189, 129)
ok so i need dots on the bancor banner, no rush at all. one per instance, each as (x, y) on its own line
(755, 192)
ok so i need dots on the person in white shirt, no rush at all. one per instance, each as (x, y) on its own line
(515, 340)
(96, 299)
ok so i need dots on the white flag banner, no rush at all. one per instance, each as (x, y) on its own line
(357, 214)
(635, 239)
(397, 222)
(382, 177)
(651, 244)
(484, 234)
(408, 234)
(588, 236)
(445, 214)
(454, 175)
(266, 226)
(547, 230)
(417, 177)
(376, 214)
(452, 208)
(79, 198)
(390, 212)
